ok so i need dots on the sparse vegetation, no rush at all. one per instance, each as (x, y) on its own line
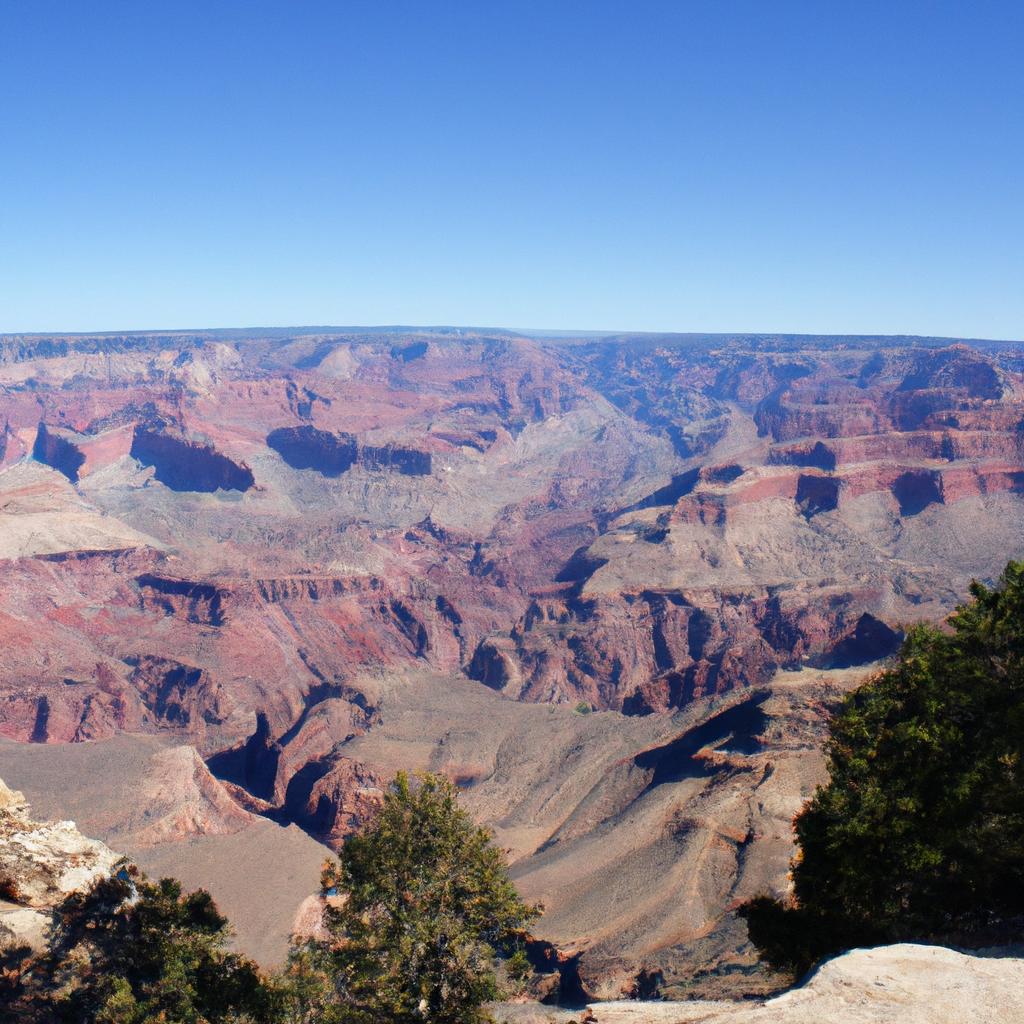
(420, 910)
(132, 951)
(919, 833)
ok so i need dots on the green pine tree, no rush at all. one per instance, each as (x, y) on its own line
(305, 991)
(919, 833)
(131, 951)
(425, 902)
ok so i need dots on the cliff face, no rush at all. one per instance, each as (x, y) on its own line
(333, 454)
(251, 545)
(185, 465)
(58, 452)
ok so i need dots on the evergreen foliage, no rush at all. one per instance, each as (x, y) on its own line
(424, 904)
(421, 905)
(305, 992)
(131, 951)
(919, 833)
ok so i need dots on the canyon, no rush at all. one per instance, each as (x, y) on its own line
(611, 585)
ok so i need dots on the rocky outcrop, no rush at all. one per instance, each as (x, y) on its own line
(194, 600)
(662, 649)
(13, 446)
(40, 864)
(907, 983)
(58, 452)
(394, 458)
(331, 798)
(179, 696)
(308, 448)
(162, 808)
(896, 390)
(75, 454)
(297, 776)
(183, 800)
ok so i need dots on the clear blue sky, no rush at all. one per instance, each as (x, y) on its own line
(830, 166)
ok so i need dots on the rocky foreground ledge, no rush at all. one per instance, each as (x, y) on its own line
(902, 984)
(40, 864)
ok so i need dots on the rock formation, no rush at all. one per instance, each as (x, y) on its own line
(275, 548)
(905, 983)
(40, 864)
(185, 465)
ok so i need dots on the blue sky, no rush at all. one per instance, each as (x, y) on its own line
(697, 166)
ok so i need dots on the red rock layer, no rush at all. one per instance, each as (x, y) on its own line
(573, 521)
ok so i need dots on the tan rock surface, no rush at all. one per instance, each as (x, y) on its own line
(901, 984)
(41, 514)
(41, 862)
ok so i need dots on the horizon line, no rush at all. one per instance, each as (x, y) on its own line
(527, 332)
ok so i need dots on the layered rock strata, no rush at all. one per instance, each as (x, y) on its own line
(260, 545)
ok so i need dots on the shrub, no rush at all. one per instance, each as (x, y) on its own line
(129, 951)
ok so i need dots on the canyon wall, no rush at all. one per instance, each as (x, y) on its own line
(318, 557)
